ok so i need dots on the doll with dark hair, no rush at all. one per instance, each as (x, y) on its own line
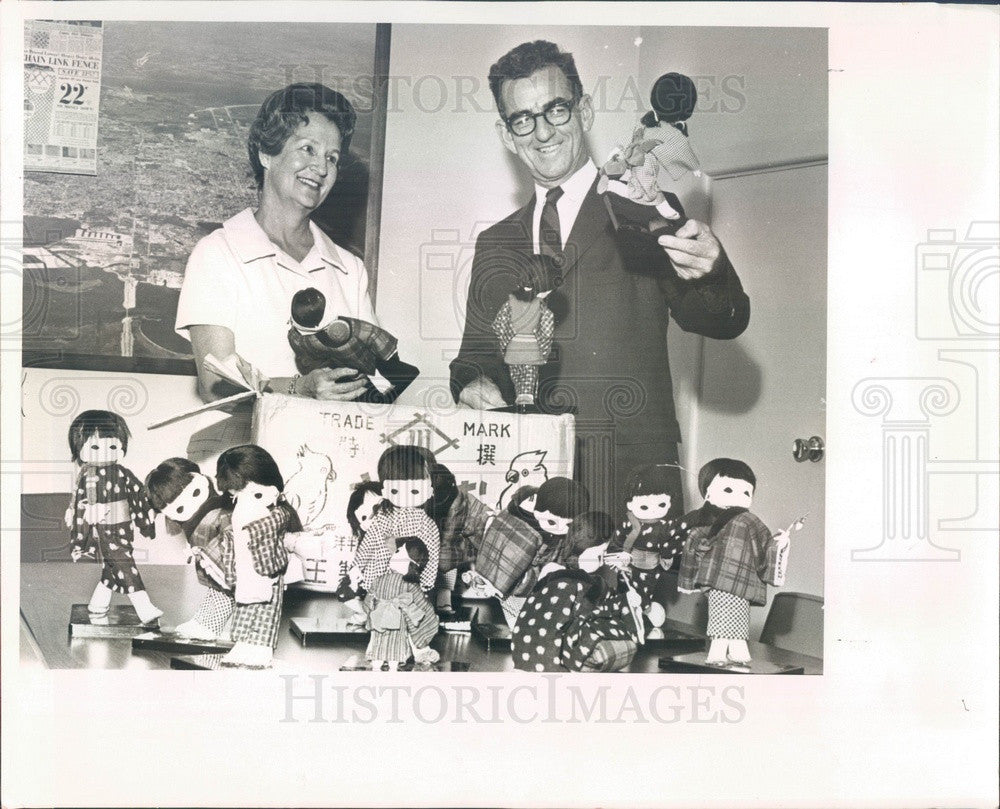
(363, 503)
(649, 537)
(461, 519)
(254, 554)
(405, 473)
(636, 180)
(525, 325)
(401, 619)
(109, 503)
(179, 490)
(520, 543)
(573, 621)
(321, 338)
(729, 554)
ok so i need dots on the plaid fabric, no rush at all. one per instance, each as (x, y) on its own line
(507, 552)
(258, 623)
(215, 610)
(739, 559)
(266, 542)
(463, 529)
(611, 655)
(379, 543)
(208, 537)
(367, 346)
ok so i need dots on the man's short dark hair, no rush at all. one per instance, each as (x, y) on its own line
(528, 58)
(286, 110)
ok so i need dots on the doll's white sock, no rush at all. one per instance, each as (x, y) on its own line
(739, 652)
(377, 665)
(393, 665)
(656, 614)
(100, 600)
(717, 651)
(193, 629)
(144, 608)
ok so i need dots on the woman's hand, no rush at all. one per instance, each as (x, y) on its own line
(325, 383)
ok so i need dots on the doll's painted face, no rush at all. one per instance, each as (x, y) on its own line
(101, 450)
(728, 492)
(553, 523)
(363, 513)
(407, 493)
(190, 499)
(254, 497)
(649, 506)
(400, 561)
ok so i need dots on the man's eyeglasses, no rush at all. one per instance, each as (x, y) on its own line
(555, 114)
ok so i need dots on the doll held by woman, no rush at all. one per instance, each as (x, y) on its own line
(109, 503)
(322, 339)
(400, 617)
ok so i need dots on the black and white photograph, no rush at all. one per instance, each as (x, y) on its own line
(371, 374)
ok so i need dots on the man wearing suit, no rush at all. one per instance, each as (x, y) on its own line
(609, 362)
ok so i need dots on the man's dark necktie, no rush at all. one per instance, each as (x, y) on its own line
(549, 236)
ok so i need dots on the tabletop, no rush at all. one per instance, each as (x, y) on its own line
(49, 589)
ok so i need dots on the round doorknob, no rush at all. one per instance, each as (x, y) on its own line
(808, 449)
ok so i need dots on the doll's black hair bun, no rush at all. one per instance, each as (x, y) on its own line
(673, 99)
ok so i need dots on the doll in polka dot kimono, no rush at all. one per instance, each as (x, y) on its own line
(650, 539)
(109, 503)
(574, 621)
(400, 617)
(730, 555)
(405, 472)
(179, 490)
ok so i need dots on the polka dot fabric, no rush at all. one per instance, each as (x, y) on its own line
(558, 629)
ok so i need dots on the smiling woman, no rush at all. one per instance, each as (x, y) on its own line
(240, 279)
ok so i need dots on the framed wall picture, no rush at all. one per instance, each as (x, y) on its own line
(104, 253)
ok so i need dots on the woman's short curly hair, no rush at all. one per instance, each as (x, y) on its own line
(286, 110)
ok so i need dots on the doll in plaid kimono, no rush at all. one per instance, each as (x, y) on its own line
(405, 472)
(525, 324)
(650, 538)
(109, 503)
(636, 179)
(516, 549)
(321, 339)
(401, 619)
(461, 519)
(253, 552)
(185, 496)
(730, 554)
(572, 621)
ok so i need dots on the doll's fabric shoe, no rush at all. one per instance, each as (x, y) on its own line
(717, 652)
(144, 608)
(738, 652)
(425, 656)
(100, 601)
(656, 614)
(248, 655)
(194, 630)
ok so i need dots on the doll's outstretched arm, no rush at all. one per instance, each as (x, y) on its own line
(142, 511)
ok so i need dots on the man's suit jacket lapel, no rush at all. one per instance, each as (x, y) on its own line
(590, 222)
